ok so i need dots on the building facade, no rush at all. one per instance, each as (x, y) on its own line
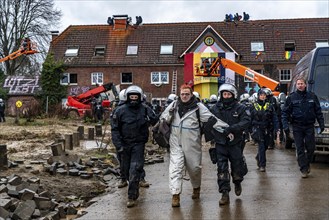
(153, 56)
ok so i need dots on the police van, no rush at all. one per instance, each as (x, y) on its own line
(314, 67)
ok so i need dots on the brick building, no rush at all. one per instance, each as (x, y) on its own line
(152, 55)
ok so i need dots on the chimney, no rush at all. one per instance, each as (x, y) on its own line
(120, 22)
(54, 34)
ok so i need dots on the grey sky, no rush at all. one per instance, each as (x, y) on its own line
(82, 12)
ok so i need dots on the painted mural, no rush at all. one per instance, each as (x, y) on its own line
(22, 85)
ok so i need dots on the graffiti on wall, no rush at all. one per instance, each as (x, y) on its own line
(22, 85)
(77, 90)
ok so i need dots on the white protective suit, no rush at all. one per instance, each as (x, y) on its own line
(185, 146)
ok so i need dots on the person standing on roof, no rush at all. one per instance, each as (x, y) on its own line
(229, 143)
(2, 111)
(185, 141)
(302, 108)
(130, 132)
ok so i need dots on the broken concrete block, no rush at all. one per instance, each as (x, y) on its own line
(36, 213)
(45, 194)
(61, 171)
(5, 203)
(33, 179)
(3, 188)
(13, 193)
(16, 180)
(4, 214)
(57, 149)
(24, 210)
(26, 194)
(74, 172)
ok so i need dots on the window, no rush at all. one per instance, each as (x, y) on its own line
(99, 50)
(69, 78)
(257, 46)
(132, 49)
(126, 78)
(289, 46)
(159, 77)
(249, 80)
(97, 78)
(166, 49)
(285, 75)
(321, 43)
(72, 51)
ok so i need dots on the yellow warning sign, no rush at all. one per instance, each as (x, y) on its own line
(19, 104)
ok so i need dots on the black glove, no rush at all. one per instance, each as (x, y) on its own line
(322, 129)
(227, 131)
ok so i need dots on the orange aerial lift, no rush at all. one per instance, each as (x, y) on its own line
(208, 70)
(27, 48)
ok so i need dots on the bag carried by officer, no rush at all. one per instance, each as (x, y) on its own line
(161, 133)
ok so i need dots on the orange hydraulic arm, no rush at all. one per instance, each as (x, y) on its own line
(27, 50)
(262, 80)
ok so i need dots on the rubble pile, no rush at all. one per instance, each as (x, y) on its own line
(28, 199)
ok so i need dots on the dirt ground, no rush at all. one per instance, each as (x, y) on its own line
(30, 141)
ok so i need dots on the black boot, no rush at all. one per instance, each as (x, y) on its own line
(225, 198)
(237, 189)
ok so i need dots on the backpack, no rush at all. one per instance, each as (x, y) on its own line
(161, 131)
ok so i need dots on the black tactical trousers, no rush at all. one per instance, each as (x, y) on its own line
(226, 154)
(132, 160)
(305, 145)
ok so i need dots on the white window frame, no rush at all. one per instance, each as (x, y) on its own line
(321, 43)
(160, 76)
(283, 73)
(257, 46)
(166, 49)
(68, 79)
(99, 51)
(132, 49)
(97, 78)
(127, 83)
(290, 42)
(72, 51)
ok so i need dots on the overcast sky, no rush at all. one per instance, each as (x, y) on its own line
(83, 12)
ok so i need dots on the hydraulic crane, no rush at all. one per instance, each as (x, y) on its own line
(208, 70)
(27, 48)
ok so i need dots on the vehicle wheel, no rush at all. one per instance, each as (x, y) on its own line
(73, 114)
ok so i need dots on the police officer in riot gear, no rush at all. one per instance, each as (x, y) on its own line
(212, 101)
(274, 103)
(264, 122)
(130, 132)
(245, 100)
(229, 144)
(301, 109)
(172, 97)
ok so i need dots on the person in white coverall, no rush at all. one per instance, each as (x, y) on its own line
(185, 141)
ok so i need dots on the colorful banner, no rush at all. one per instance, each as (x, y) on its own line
(193, 62)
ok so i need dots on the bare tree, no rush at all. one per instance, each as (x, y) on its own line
(26, 18)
